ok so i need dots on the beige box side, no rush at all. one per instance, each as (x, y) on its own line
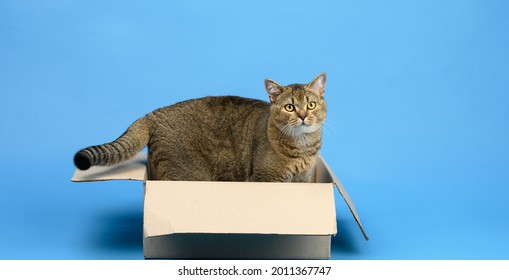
(240, 208)
(238, 220)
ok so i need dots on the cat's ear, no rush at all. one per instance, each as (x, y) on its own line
(273, 89)
(318, 84)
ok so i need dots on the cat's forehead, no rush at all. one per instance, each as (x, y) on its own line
(298, 93)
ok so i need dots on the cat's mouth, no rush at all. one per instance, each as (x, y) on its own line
(305, 122)
(298, 130)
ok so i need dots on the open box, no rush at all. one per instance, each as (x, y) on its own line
(232, 220)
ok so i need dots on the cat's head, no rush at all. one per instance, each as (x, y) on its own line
(298, 109)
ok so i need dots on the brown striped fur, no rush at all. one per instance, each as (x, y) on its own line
(227, 138)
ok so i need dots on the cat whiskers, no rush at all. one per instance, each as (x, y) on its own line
(287, 130)
(290, 131)
(329, 128)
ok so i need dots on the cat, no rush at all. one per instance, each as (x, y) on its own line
(227, 138)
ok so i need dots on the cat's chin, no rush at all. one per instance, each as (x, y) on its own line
(303, 129)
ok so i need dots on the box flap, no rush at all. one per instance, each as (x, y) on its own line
(240, 208)
(134, 169)
(325, 174)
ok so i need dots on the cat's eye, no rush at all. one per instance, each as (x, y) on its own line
(311, 105)
(289, 107)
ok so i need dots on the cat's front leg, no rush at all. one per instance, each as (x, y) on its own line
(271, 176)
(304, 177)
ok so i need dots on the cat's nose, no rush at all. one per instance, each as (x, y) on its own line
(302, 114)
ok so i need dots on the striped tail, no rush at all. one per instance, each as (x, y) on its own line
(123, 148)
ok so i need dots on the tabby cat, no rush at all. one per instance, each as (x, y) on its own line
(227, 138)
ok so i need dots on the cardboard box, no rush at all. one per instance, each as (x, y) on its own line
(231, 220)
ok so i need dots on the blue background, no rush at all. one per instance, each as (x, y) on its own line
(417, 130)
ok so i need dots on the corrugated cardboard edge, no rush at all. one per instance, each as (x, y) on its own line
(346, 197)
